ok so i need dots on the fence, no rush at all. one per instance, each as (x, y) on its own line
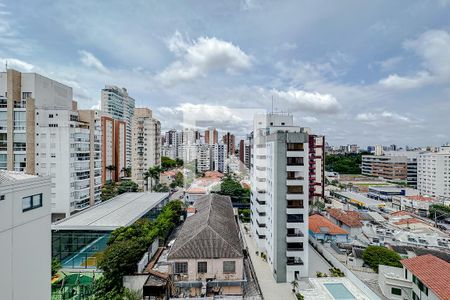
(147, 256)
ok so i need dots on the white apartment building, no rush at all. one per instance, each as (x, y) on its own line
(41, 133)
(168, 151)
(25, 243)
(219, 157)
(204, 158)
(146, 148)
(433, 173)
(280, 194)
(187, 152)
(120, 106)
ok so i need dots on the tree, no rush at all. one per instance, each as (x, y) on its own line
(179, 162)
(126, 171)
(153, 173)
(161, 188)
(56, 266)
(168, 163)
(110, 168)
(179, 179)
(109, 190)
(294, 285)
(441, 211)
(127, 186)
(349, 163)
(378, 255)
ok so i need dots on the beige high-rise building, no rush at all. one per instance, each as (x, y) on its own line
(114, 154)
(43, 133)
(146, 144)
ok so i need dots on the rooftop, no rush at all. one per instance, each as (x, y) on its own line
(320, 224)
(432, 271)
(349, 218)
(13, 176)
(119, 211)
(421, 198)
(358, 198)
(210, 233)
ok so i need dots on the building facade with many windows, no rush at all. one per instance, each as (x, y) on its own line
(119, 105)
(146, 144)
(433, 173)
(280, 194)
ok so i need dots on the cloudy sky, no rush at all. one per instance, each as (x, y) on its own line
(363, 72)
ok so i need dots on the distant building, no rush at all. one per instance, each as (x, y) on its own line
(416, 204)
(433, 173)
(219, 152)
(216, 269)
(378, 150)
(25, 236)
(245, 151)
(229, 140)
(348, 220)
(119, 105)
(146, 148)
(316, 168)
(204, 158)
(211, 136)
(114, 148)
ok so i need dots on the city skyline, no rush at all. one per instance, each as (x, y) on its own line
(195, 61)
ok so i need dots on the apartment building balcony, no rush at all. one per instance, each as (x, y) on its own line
(295, 211)
(295, 218)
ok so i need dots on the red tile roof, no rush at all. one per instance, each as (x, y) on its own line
(214, 174)
(400, 213)
(432, 271)
(349, 218)
(317, 222)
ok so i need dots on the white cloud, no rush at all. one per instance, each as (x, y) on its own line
(89, 60)
(299, 100)
(309, 119)
(198, 58)
(18, 64)
(433, 47)
(382, 117)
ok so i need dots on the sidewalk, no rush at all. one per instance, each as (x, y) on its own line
(270, 289)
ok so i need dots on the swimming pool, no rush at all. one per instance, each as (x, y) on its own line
(339, 291)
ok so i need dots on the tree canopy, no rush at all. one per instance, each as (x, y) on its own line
(349, 163)
(112, 189)
(126, 245)
(168, 163)
(442, 211)
(378, 255)
(233, 188)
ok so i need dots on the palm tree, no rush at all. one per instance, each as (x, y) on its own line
(110, 168)
(126, 171)
(153, 173)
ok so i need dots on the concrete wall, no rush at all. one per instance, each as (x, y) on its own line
(25, 244)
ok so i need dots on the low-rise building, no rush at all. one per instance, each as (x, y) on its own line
(430, 277)
(416, 204)
(348, 220)
(79, 239)
(320, 228)
(206, 258)
(393, 283)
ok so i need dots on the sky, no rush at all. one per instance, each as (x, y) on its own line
(364, 72)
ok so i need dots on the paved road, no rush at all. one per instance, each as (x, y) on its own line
(270, 289)
(316, 263)
(177, 195)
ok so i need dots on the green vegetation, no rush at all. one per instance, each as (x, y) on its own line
(126, 246)
(349, 163)
(378, 255)
(294, 285)
(178, 181)
(336, 272)
(56, 265)
(244, 214)
(299, 296)
(442, 211)
(112, 189)
(233, 188)
(153, 174)
(167, 163)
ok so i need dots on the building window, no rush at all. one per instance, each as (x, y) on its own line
(2, 197)
(295, 189)
(202, 267)
(229, 267)
(295, 146)
(50, 115)
(396, 291)
(26, 95)
(295, 161)
(181, 268)
(31, 202)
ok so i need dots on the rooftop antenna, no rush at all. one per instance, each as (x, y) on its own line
(272, 104)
